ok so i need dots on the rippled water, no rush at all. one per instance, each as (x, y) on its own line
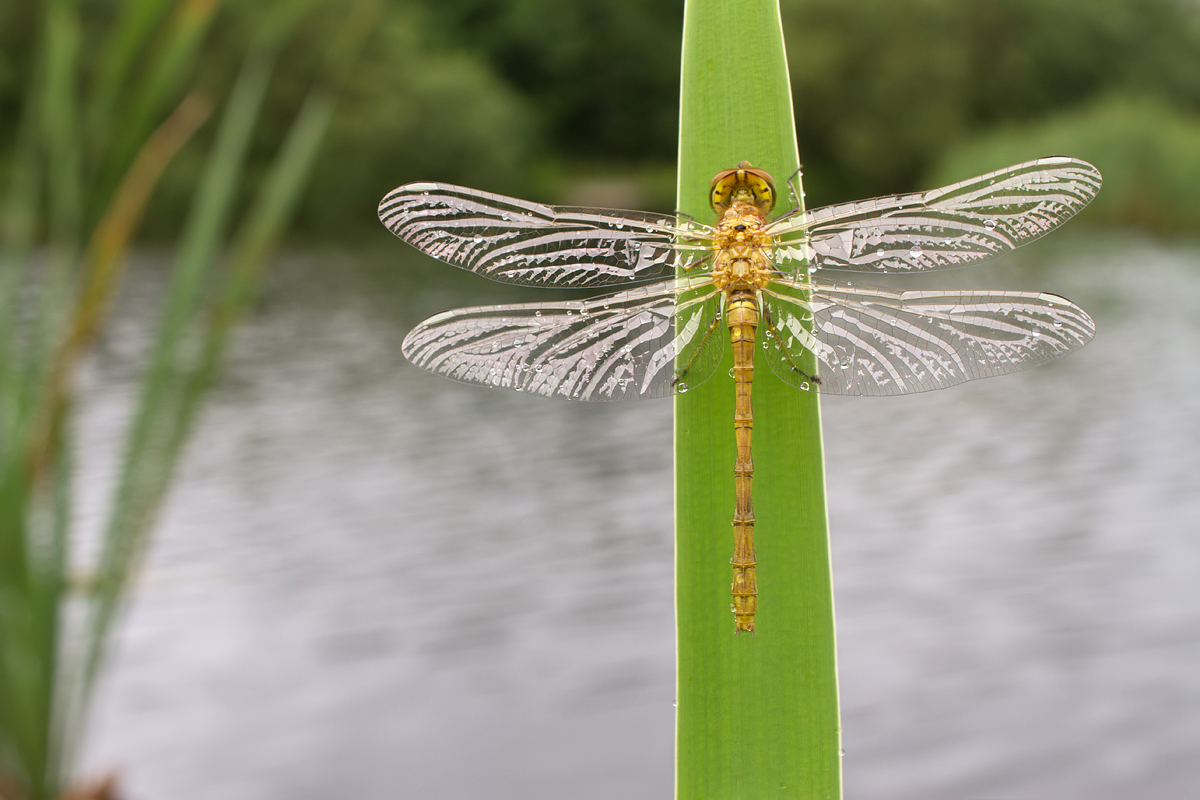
(373, 583)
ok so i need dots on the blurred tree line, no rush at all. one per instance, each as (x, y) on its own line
(526, 96)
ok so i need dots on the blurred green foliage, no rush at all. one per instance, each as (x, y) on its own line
(528, 96)
(884, 89)
(1148, 151)
(409, 111)
(101, 92)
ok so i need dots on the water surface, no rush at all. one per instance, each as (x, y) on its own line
(374, 583)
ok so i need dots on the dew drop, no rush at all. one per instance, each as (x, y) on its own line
(537, 313)
(990, 224)
(620, 226)
(425, 193)
(683, 387)
(845, 362)
(1035, 334)
(915, 251)
(518, 388)
(1058, 324)
(804, 386)
(538, 368)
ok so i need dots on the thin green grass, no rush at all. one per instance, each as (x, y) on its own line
(757, 715)
(72, 212)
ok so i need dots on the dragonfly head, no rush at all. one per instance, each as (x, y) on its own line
(742, 183)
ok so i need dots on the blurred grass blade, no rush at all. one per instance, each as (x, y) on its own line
(104, 264)
(757, 715)
(123, 46)
(46, 674)
(172, 392)
(17, 229)
(275, 205)
(60, 121)
(19, 223)
(268, 220)
(49, 587)
(19, 722)
(145, 470)
(161, 83)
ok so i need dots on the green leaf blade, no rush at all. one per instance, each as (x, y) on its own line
(757, 715)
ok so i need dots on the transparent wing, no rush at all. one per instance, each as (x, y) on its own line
(869, 340)
(622, 346)
(514, 241)
(948, 227)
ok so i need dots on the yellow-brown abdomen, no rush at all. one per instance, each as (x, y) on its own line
(742, 315)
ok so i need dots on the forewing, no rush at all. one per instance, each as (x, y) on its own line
(618, 347)
(515, 241)
(948, 227)
(870, 340)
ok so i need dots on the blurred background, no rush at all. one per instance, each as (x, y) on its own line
(369, 582)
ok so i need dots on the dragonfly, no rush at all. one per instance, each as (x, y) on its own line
(690, 287)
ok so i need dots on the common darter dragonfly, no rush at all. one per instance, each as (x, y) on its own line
(747, 273)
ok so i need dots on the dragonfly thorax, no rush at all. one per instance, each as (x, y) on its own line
(742, 249)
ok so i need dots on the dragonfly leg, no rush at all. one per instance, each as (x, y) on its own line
(772, 332)
(797, 193)
(697, 264)
(683, 372)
